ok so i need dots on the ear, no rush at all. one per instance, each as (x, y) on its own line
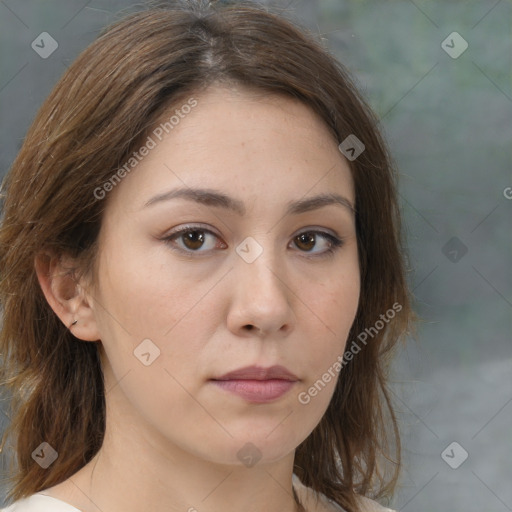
(66, 296)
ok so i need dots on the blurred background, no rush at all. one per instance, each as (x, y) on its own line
(438, 74)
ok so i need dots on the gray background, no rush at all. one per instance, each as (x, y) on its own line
(449, 124)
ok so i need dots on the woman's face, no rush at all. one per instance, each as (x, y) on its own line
(256, 281)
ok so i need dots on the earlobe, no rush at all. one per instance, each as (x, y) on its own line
(65, 295)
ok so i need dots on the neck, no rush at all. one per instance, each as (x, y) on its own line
(138, 469)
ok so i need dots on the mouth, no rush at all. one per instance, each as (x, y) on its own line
(277, 372)
(257, 384)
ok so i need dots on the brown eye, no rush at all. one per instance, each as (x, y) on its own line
(308, 240)
(193, 239)
(305, 241)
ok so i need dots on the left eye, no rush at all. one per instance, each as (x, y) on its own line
(308, 240)
(194, 238)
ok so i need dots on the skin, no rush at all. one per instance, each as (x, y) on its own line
(172, 436)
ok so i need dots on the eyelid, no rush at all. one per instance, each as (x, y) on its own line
(317, 229)
(191, 227)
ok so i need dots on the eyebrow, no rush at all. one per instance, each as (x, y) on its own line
(218, 199)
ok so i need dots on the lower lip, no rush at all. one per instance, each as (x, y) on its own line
(259, 391)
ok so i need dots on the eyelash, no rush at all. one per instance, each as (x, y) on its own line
(335, 242)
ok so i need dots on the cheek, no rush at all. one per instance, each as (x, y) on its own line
(141, 292)
(142, 299)
(333, 303)
(336, 302)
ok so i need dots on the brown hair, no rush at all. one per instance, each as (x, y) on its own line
(86, 129)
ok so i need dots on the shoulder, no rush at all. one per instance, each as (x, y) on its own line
(39, 503)
(314, 502)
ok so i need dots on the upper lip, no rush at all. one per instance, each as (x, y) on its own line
(259, 373)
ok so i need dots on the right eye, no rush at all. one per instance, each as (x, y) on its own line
(190, 239)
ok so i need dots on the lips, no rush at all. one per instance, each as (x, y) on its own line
(257, 384)
(277, 372)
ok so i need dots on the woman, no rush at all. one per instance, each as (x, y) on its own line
(201, 276)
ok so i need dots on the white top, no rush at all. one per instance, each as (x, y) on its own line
(41, 503)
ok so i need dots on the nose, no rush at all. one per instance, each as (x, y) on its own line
(261, 300)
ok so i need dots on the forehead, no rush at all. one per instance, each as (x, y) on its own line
(244, 142)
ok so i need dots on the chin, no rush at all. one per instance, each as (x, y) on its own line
(248, 450)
